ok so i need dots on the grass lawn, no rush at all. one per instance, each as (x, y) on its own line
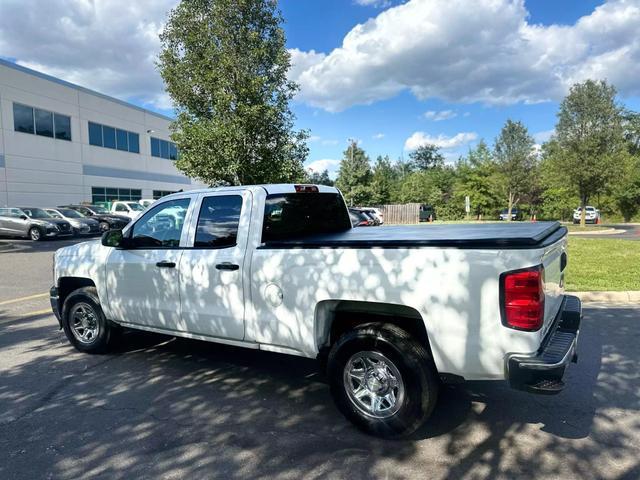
(600, 264)
(586, 228)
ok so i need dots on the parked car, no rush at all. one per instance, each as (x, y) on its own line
(33, 223)
(81, 225)
(515, 214)
(106, 219)
(427, 213)
(591, 214)
(359, 218)
(376, 213)
(390, 312)
(129, 209)
(146, 202)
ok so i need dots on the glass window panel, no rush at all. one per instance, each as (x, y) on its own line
(161, 226)
(218, 221)
(122, 140)
(109, 136)
(63, 126)
(164, 149)
(136, 194)
(155, 147)
(134, 142)
(44, 123)
(22, 118)
(173, 151)
(95, 134)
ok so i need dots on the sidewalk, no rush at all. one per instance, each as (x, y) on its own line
(613, 297)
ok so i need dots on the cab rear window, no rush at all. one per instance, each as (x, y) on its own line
(295, 215)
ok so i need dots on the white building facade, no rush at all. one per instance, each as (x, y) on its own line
(62, 144)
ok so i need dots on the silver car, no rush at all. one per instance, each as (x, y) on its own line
(81, 225)
(33, 223)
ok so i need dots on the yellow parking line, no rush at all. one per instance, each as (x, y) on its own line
(33, 314)
(21, 299)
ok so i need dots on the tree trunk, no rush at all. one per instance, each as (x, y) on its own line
(583, 212)
(510, 207)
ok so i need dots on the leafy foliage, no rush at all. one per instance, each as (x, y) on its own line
(354, 176)
(426, 157)
(224, 64)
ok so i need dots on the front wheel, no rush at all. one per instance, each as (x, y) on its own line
(84, 323)
(383, 380)
(35, 234)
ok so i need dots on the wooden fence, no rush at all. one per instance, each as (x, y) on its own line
(406, 213)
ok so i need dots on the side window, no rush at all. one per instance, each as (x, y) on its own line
(161, 226)
(218, 221)
(53, 213)
(121, 208)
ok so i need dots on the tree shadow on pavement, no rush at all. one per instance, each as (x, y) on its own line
(165, 407)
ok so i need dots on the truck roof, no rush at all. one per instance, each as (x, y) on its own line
(469, 235)
(270, 188)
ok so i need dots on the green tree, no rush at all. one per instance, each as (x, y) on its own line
(354, 176)
(514, 155)
(426, 157)
(631, 127)
(383, 181)
(627, 191)
(590, 138)
(478, 178)
(224, 64)
(319, 178)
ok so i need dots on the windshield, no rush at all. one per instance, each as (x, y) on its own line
(98, 209)
(67, 212)
(36, 213)
(135, 206)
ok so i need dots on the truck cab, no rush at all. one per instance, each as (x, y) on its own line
(129, 209)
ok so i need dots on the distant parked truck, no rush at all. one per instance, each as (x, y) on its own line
(515, 214)
(427, 213)
(129, 209)
(591, 215)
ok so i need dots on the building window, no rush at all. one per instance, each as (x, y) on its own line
(63, 126)
(104, 194)
(44, 123)
(110, 137)
(23, 118)
(161, 193)
(41, 122)
(163, 149)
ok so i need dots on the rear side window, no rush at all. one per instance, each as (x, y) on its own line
(294, 215)
(218, 221)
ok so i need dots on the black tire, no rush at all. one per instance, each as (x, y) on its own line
(413, 362)
(104, 227)
(35, 234)
(86, 299)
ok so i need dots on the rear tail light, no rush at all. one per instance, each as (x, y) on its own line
(522, 296)
(306, 188)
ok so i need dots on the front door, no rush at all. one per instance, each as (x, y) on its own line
(211, 271)
(143, 280)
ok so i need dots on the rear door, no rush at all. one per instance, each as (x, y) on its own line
(213, 266)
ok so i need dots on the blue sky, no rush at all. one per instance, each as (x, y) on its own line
(392, 74)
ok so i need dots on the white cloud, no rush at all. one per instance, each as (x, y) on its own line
(315, 138)
(444, 142)
(541, 137)
(378, 136)
(485, 53)
(373, 3)
(107, 45)
(438, 116)
(320, 166)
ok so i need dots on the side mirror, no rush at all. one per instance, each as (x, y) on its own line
(113, 238)
(24, 217)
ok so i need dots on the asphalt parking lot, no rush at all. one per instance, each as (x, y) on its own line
(159, 407)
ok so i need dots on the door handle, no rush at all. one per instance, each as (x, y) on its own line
(165, 264)
(227, 266)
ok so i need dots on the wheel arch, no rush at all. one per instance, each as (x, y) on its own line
(335, 317)
(66, 285)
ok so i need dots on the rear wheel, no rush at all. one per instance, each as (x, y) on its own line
(383, 380)
(84, 323)
(35, 234)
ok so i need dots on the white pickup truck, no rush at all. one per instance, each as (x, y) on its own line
(390, 312)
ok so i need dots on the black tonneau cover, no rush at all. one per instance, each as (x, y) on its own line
(463, 235)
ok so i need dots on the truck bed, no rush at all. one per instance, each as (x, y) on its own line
(479, 236)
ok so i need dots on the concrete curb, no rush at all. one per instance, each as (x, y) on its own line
(613, 297)
(608, 231)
